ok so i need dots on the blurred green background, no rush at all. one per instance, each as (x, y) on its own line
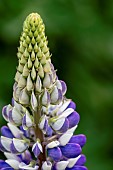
(80, 34)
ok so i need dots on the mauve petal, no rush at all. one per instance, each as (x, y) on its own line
(49, 131)
(54, 153)
(65, 126)
(72, 105)
(36, 150)
(77, 168)
(64, 87)
(73, 119)
(81, 160)
(80, 139)
(13, 149)
(8, 168)
(6, 132)
(71, 150)
(3, 164)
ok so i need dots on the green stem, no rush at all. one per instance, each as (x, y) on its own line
(39, 134)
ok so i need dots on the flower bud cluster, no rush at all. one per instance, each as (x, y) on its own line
(40, 121)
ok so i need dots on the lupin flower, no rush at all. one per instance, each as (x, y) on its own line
(41, 121)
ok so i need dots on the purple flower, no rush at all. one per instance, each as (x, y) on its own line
(41, 121)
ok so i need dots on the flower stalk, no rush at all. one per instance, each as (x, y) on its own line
(41, 121)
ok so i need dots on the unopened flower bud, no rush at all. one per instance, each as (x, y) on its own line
(38, 85)
(32, 55)
(36, 63)
(23, 60)
(17, 76)
(47, 81)
(43, 60)
(20, 67)
(29, 63)
(30, 47)
(36, 48)
(34, 102)
(25, 71)
(22, 82)
(45, 98)
(29, 83)
(40, 71)
(26, 53)
(24, 98)
(27, 121)
(33, 73)
(56, 95)
(37, 148)
(47, 67)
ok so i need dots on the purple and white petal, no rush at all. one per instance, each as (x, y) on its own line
(71, 150)
(60, 125)
(72, 105)
(54, 153)
(81, 160)
(5, 131)
(56, 96)
(17, 133)
(27, 121)
(18, 146)
(13, 163)
(5, 143)
(37, 148)
(73, 119)
(79, 139)
(15, 116)
(5, 165)
(5, 112)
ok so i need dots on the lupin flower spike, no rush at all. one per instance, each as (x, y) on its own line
(40, 121)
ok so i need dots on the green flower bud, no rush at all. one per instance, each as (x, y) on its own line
(25, 71)
(26, 53)
(33, 56)
(22, 82)
(29, 83)
(30, 47)
(29, 63)
(24, 98)
(33, 41)
(43, 60)
(20, 68)
(23, 60)
(47, 67)
(28, 40)
(36, 47)
(33, 73)
(38, 85)
(17, 76)
(41, 71)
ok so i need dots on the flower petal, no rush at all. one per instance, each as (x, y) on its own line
(71, 150)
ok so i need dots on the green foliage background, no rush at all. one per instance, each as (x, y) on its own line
(80, 34)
